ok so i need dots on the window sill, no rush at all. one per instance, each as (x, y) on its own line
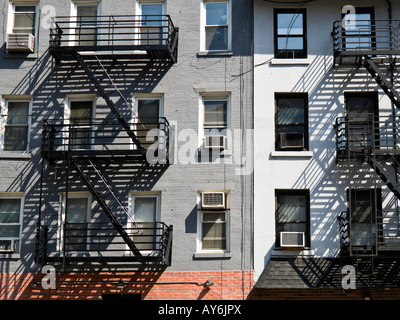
(15, 155)
(26, 56)
(299, 61)
(212, 255)
(226, 53)
(278, 252)
(292, 154)
(10, 255)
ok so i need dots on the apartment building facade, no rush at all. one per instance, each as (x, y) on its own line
(326, 155)
(125, 153)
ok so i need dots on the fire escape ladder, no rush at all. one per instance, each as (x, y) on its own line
(106, 97)
(381, 69)
(101, 199)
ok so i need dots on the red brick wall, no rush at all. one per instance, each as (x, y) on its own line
(228, 285)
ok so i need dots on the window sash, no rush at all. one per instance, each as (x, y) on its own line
(216, 26)
(16, 127)
(215, 113)
(10, 222)
(290, 33)
(24, 19)
(214, 231)
(292, 213)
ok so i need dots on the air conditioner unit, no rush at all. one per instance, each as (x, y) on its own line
(213, 200)
(8, 246)
(292, 239)
(20, 42)
(215, 142)
(291, 140)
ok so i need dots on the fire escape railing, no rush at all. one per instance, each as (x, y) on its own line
(376, 142)
(106, 138)
(115, 33)
(365, 37)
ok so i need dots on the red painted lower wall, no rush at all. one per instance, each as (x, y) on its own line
(227, 285)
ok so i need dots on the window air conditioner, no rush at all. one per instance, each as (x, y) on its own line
(214, 200)
(290, 140)
(215, 142)
(8, 246)
(20, 42)
(292, 239)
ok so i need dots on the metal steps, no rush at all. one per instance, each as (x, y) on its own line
(101, 199)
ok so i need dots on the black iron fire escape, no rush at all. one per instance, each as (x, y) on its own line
(80, 145)
(370, 139)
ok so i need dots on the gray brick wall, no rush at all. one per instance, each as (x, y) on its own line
(180, 85)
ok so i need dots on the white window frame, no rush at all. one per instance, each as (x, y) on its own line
(61, 214)
(215, 96)
(200, 214)
(11, 15)
(131, 208)
(135, 115)
(203, 25)
(3, 123)
(74, 15)
(21, 197)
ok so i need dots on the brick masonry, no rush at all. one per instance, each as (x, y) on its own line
(227, 285)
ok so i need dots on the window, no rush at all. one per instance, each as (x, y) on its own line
(365, 208)
(81, 113)
(10, 223)
(360, 35)
(215, 121)
(77, 215)
(149, 111)
(16, 119)
(292, 213)
(86, 22)
(154, 29)
(216, 21)
(24, 19)
(291, 121)
(213, 230)
(146, 214)
(290, 33)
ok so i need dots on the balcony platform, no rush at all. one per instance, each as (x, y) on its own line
(365, 39)
(128, 37)
(106, 140)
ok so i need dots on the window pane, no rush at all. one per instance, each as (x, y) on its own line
(215, 114)
(15, 138)
(214, 244)
(214, 231)
(145, 209)
(24, 19)
(216, 14)
(10, 210)
(9, 231)
(86, 15)
(77, 210)
(291, 111)
(216, 38)
(18, 112)
(214, 217)
(292, 208)
(148, 110)
(292, 43)
(290, 23)
(81, 110)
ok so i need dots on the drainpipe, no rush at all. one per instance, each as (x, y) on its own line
(391, 82)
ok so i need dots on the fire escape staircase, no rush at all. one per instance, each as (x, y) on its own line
(116, 43)
(104, 204)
